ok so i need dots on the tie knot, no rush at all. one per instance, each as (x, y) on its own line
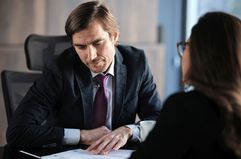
(100, 79)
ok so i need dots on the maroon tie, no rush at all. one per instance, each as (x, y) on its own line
(100, 102)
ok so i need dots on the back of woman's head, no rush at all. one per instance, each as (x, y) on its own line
(215, 55)
(215, 50)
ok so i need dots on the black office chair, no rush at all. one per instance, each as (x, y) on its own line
(41, 48)
(15, 85)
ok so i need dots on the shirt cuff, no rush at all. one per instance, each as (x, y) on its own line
(135, 132)
(71, 136)
(146, 127)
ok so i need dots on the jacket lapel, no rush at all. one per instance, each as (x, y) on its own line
(84, 80)
(120, 86)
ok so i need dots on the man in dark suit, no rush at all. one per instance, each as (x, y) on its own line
(59, 109)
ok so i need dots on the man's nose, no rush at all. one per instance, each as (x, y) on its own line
(92, 52)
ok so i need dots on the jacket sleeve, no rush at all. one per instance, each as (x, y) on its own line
(149, 99)
(33, 122)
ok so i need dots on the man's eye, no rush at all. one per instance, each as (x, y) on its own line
(82, 47)
(98, 43)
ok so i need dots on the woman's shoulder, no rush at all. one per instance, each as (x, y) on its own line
(190, 96)
(191, 101)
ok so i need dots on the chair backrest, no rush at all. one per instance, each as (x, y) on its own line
(41, 48)
(15, 85)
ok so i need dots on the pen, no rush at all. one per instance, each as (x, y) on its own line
(29, 154)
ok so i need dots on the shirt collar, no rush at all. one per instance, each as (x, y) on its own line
(109, 71)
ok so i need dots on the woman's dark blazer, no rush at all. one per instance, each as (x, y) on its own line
(189, 127)
(63, 98)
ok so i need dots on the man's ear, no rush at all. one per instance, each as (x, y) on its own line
(115, 37)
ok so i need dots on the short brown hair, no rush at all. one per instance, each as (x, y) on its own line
(86, 13)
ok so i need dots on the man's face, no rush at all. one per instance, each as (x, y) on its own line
(95, 47)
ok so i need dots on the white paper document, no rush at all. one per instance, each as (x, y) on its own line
(83, 154)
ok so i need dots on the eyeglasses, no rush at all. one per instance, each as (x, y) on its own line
(181, 46)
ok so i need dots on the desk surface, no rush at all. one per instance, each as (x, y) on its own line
(13, 153)
(7, 152)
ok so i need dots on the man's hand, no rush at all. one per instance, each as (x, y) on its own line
(113, 140)
(88, 137)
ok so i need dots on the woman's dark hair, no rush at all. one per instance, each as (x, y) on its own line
(88, 12)
(216, 71)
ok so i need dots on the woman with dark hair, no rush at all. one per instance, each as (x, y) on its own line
(204, 122)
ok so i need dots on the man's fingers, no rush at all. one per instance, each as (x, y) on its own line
(94, 145)
(98, 149)
(118, 145)
(112, 144)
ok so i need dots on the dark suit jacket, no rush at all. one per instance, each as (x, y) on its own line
(63, 98)
(189, 127)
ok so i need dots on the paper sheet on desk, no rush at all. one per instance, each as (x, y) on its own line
(83, 154)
